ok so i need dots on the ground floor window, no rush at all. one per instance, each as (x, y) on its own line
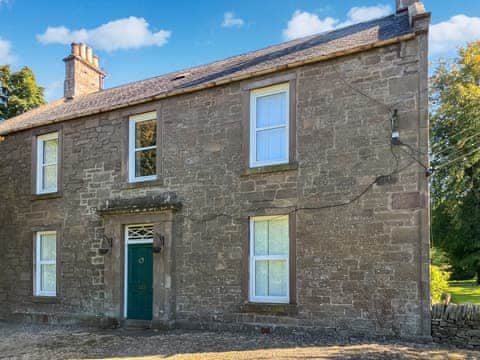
(46, 263)
(269, 259)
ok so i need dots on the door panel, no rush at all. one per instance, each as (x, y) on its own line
(140, 282)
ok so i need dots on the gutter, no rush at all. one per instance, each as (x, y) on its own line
(224, 81)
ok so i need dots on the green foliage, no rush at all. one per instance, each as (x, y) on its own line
(438, 283)
(439, 258)
(455, 103)
(23, 92)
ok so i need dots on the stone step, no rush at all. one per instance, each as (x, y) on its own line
(132, 324)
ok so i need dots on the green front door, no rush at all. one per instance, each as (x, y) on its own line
(140, 282)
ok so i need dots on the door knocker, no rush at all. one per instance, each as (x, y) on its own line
(141, 260)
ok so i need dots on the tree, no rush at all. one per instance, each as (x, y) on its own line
(455, 136)
(438, 283)
(23, 92)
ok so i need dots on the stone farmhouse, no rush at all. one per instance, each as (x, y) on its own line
(276, 190)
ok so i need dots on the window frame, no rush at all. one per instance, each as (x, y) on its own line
(38, 264)
(40, 140)
(252, 258)
(132, 121)
(254, 95)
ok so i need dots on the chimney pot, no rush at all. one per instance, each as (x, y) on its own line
(83, 51)
(75, 49)
(89, 55)
(95, 60)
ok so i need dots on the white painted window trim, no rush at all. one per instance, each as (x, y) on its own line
(253, 258)
(254, 94)
(132, 149)
(125, 279)
(38, 264)
(40, 162)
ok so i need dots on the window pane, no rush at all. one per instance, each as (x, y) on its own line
(261, 278)
(271, 278)
(272, 110)
(272, 145)
(260, 237)
(277, 278)
(48, 278)
(50, 150)
(145, 162)
(278, 236)
(145, 133)
(48, 247)
(49, 177)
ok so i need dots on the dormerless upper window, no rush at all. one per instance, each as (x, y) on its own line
(46, 263)
(269, 259)
(269, 126)
(47, 163)
(142, 147)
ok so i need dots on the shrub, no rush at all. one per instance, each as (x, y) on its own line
(438, 283)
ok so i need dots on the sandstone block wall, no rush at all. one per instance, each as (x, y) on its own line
(360, 268)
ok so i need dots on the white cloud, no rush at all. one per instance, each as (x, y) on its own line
(365, 13)
(229, 20)
(128, 33)
(456, 31)
(6, 55)
(303, 23)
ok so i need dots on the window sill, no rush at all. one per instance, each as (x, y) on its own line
(142, 184)
(45, 299)
(270, 169)
(46, 196)
(269, 309)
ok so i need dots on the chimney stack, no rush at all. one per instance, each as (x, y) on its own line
(83, 74)
(404, 4)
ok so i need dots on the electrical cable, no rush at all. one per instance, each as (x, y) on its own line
(295, 209)
(458, 158)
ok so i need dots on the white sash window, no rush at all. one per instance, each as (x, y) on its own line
(46, 263)
(142, 147)
(269, 126)
(269, 259)
(47, 163)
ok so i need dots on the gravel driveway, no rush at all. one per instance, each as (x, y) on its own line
(55, 342)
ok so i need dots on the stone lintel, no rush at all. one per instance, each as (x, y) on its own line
(147, 204)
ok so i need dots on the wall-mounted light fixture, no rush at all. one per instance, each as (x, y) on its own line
(106, 245)
(158, 242)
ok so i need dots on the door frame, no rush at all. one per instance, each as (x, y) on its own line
(128, 242)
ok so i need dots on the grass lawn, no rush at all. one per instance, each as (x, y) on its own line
(465, 291)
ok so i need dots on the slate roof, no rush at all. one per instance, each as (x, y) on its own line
(273, 58)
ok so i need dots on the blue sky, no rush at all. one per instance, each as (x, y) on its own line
(144, 38)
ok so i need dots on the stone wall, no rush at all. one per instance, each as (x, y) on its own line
(360, 268)
(457, 325)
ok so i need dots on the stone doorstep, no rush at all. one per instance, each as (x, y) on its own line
(131, 324)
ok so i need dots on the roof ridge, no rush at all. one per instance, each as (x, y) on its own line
(273, 58)
(187, 69)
